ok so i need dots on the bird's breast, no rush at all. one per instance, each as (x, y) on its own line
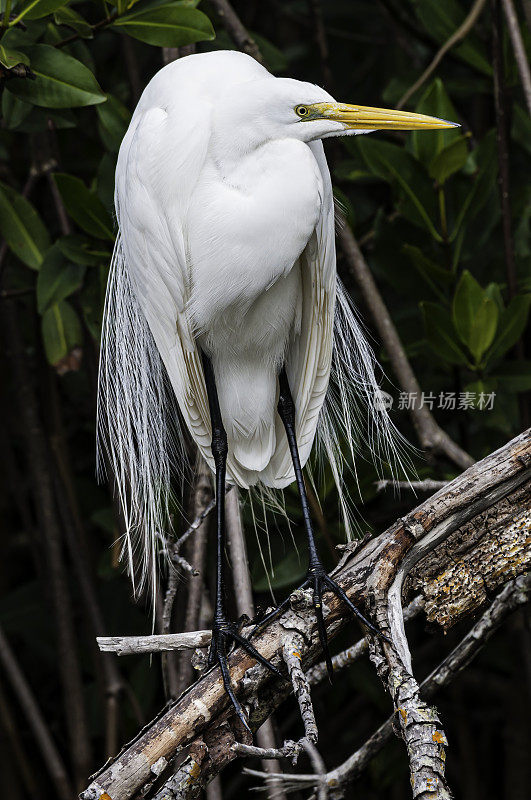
(248, 222)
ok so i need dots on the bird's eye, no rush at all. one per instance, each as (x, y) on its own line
(302, 111)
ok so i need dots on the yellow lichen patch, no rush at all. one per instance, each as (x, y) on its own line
(105, 796)
(439, 737)
(195, 770)
(297, 654)
(403, 714)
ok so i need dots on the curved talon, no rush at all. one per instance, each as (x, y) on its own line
(222, 635)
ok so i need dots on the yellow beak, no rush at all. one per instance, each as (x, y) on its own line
(372, 119)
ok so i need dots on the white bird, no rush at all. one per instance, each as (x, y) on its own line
(223, 289)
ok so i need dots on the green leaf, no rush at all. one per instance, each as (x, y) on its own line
(39, 119)
(35, 9)
(451, 159)
(84, 206)
(10, 58)
(494, 292)
(514, 376)
(521, 127)
(511, 326)
(67, 16)
(114, 120)
(426, 145)
(396, 165)
(483, 182)
(22, 227)
(92, 298)
(81, 250)
(61, 331)
(440, 333)
(61, 81)
(14, 111)
(274, 58)
(171, 25)
(289, 570)
(475, 315)
(432, 273)
(57, 279)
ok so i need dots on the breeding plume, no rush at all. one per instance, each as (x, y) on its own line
(223, 297)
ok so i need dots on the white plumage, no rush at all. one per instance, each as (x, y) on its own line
(226, 244)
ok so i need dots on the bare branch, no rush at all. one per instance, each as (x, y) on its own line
(459, 34)
(520, 54)
(21, 689)
(430, 435)
(202, 497)
(427, 485)
(236, 30)
(245, 606)
(291, 653)
(161, 643)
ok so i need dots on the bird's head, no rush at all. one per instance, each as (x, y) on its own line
(275, 108)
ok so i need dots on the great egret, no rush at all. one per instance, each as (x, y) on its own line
(223, 281)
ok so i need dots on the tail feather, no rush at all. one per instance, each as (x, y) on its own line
(137, 426)
(353, 413)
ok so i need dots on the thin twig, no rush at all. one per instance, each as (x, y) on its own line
(158, 643)
(503, 147)
(21, 689)
(520, 54)
(291, 653)
(13, 734)
(316, 13)
(318, 767)
(236, 30)
(210, 506)
(430, 435)
(202, 498)
(462, 31)
(427, 485)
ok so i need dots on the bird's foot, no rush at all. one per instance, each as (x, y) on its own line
(319, 581)
(224, 635)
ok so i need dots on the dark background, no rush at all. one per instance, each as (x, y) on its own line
(427, 213)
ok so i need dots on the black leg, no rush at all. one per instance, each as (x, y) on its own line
(224, 632)
(317, 578)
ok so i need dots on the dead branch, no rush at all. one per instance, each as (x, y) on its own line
(243, 591)
(201, 499)
(202, 719)
(236, 30)
(513, 595)
(459, 34)
(427, 485)
(161, 643)
(22, 691)
(520, 54)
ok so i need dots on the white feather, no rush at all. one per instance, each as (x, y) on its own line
(226, 244)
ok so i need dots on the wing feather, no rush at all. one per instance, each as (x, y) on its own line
(309, 358)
